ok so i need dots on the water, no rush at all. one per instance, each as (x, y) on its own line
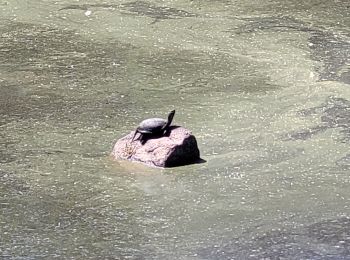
(264, 86)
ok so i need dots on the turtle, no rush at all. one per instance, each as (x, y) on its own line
(153, 126)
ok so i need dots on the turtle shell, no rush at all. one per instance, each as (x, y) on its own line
(152, 125)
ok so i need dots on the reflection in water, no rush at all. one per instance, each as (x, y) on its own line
(265, 89)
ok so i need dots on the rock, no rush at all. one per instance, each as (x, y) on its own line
(178, 147)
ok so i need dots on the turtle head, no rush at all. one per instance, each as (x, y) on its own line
(170, 117)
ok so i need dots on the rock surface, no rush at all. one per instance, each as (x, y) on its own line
(176, 148)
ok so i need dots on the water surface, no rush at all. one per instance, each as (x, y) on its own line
(263, 86)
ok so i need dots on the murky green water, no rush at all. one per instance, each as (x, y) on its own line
(264, 86)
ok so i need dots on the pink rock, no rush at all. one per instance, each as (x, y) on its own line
(177, 148)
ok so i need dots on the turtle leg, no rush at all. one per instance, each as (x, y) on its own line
(167, 132)
(136, 131)
(144, 138)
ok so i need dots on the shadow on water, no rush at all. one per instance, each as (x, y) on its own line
(138, 8)
(334, 53)
(272, 23)
(147, 9)
(328, 239)
(334, 113)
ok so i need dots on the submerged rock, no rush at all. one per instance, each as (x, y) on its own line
(178, 147)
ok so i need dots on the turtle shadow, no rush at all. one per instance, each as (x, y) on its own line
(171, 128)
(200, 160)
(167, 133)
